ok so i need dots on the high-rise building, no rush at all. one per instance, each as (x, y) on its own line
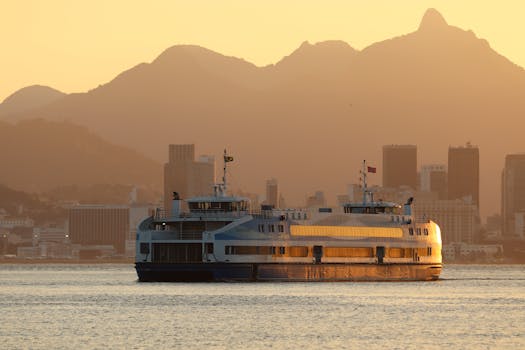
(513, 196)
(178, 153)
(434, 179)
(187, 177)
(463, 173)
(400, 166)
(272, 193)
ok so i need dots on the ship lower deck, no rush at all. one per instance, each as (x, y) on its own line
(289, 272)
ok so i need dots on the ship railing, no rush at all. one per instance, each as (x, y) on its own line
(188, 236)
(161, 214)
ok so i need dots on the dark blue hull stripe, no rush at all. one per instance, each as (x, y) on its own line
(212, 272)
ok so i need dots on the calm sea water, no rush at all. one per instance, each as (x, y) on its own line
(103, 306)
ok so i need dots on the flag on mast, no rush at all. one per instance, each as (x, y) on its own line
(371, 169)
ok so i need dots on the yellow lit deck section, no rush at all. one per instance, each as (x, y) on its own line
(346, 231)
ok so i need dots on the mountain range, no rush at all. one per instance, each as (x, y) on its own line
(39, 155)
(310, 119)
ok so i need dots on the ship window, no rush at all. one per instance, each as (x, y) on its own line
(298, 252)
(418, 231)
(349, 252)
(304, 216)
(271, 228)
(281, 228)
(176, 252)
(425, 231)
(429, 251)
(282, 250)
(409, 252)
(248, 250)
(261, 227)
(411, 231)
(209, 248)
(144, 248)
(395, 252)
(273, 250)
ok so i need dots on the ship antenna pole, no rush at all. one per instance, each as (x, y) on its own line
(364, 182)
(224, 174)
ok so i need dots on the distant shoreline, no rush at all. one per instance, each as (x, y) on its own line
(65, 261)
(132, 261)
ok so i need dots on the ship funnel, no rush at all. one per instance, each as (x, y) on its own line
(175, 205)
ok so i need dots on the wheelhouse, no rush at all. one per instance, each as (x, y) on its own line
(373, 208)
(218, 205)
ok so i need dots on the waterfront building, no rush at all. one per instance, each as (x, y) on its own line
(458, 219)
(494, 226)
(400, 166)
(342, 199)
(354, 192)
(519, 225)
(463, 173)
(99, 225)
(50, 234)
(317, 200)
(136, 215)
(433, 178)
(272, 193)
(513, 196)
(482, 253)
(16, 222)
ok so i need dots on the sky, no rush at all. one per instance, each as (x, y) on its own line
(75, 46)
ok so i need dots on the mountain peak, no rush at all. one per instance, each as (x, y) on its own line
(432, 19)
(29, 97)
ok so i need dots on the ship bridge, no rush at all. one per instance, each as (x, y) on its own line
(373, 208)
(218, 204)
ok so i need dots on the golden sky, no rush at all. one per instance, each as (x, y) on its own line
(75, 45)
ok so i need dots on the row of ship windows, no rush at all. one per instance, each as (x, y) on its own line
(296, 216)
(270, 228)
(400, 219)
(331, 252)
(418, 231)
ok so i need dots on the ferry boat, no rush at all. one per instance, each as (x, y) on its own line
(220, 238)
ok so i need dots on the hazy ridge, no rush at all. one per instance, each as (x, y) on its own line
(40, 155)
(310, 119)
(28, 98)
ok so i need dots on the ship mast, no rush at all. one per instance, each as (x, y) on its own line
(220, 188)
(364, 182)
(225, 159)
(367, 195)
